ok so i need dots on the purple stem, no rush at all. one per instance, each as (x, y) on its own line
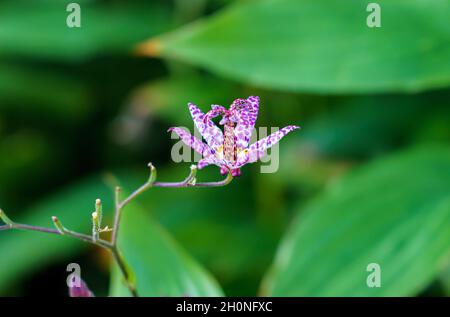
(224, 182)
(80, 236)
(27, 227)
(5, 227)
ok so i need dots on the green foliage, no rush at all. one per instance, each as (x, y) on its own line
(357, 178)
(24, 252)
(322, 46)
(393, 212)
(104, 29)
(161, 268)
(151, 253)
(221, 228)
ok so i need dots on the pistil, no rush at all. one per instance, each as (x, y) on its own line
(229, 143)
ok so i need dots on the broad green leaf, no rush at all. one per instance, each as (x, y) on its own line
(212, 223)
(445, 279)
(74, 206)
(394, 212)
(319, 46)
(160, 266)
(38, 28)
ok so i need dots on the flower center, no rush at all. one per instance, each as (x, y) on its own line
(229, 143)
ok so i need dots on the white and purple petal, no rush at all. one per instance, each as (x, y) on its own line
(206, 161)
(242, 159)
(240, 120)
(210, 132)
(258, 149)
(247, 115)
(193, 142)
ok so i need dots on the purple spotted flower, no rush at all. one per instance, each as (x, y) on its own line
(229, 149)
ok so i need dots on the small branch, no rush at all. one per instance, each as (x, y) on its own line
(117, 215)
(123, 269)
(189, 181)
(76, 235)
(5, 218)
(20, 226)
(83, 237)
(120, 205)
(5, 227)
(143, 188)
(224, 182)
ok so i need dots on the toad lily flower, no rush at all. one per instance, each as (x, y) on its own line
(229, 149)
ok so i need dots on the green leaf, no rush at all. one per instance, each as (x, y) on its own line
(209, 223)
(394, 212)
(212, 224)
(319, 46)
(160, 266)
(445, 279)
(173, 272)
(38, 28)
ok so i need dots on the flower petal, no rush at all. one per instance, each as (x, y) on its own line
(192, 141)
(81, 291)
(207, 161)
(210, 132)
(242, 159)
(215, 111)
(246, 121)
(258, 149)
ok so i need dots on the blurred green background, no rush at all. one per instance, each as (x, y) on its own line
(367, 179)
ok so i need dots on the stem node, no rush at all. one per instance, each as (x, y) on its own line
(58, 225)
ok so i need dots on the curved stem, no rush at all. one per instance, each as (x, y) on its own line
(221, 183)
(111, 246)
(183, 184)
(120, 205)
(123, 269)
(189, 181)
(76, 235)
(5, 227)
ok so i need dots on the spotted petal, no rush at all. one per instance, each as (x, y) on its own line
(246, 121)
(81, 291)
(211, 160)
(193, 142)
(258, 149)
(210, 132)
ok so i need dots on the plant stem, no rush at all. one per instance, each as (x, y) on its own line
(117, 215)
(5, 227)
(151, 182)
(224, 182)
(123, 269)
(111, 246)
(76, 235)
